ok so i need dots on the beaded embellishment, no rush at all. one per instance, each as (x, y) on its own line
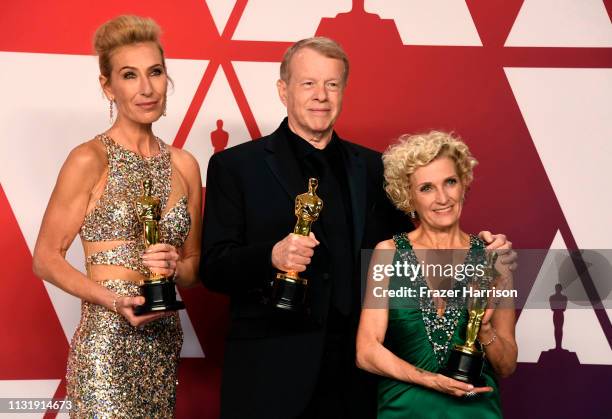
(114, 218)
(440, 329)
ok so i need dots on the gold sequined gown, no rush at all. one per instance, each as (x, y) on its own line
(115, 369)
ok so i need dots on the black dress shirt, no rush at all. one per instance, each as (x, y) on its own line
(329, 167)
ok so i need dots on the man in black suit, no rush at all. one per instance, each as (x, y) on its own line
(278, 365)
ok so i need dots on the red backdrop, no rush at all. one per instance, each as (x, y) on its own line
(527, 84)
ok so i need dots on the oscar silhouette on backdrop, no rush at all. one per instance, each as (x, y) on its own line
(558, 304)
(219, 137)
(411, 98)
(557, 355)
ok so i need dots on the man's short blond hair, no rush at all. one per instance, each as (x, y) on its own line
(324, 46)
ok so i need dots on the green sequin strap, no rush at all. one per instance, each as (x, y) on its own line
(401, 241)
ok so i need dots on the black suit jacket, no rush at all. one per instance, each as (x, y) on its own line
(272, 360)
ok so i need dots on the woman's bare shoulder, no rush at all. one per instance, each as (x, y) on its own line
(386, 245)
(183, 157)
(89, 157)
(185, 162)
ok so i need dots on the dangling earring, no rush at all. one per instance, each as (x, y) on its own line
(412, 215)
(110, 105)
(165, 101)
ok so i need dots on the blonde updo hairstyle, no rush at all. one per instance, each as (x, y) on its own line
(410, 152)
(121, 31)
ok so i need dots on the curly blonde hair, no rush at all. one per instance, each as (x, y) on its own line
(410, 152)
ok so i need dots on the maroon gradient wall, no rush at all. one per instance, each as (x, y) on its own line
(528, 84)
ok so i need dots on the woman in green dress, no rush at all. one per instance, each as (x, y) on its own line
(408, 344)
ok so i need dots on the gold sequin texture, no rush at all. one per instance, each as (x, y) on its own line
(176, 224)
(126, 254)
(114, 217)
(116, 370)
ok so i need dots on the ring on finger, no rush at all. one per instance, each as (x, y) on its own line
(470, 394)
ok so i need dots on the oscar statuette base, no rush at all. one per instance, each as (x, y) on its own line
(465, 365)
(159, 296)
(289, 292)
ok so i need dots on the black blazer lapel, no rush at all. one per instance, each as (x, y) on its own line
(283, 164)
(356, 173)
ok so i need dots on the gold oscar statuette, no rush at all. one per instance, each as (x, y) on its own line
(148, 210)
(466, 361)
(289, 290)
(158, 290)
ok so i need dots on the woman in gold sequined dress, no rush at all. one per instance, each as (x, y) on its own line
(122, 365)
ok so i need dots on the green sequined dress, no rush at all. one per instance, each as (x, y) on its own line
(420, 337)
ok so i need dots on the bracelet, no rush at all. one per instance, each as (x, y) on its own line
(115, 303)
(490, 340)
